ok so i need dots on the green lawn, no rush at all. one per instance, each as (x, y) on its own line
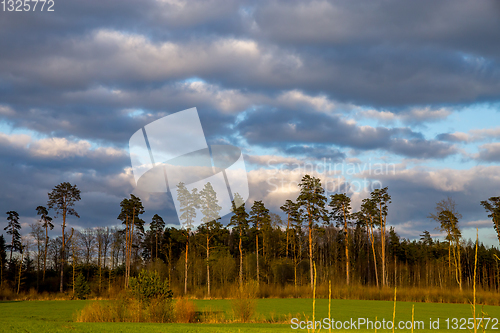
(57, 316)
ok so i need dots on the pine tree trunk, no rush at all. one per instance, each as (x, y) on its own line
(241, 261)
(1, 272)
(61, 285)
(310, 256)
(346, 246)
(74, 266)
(100, 267)
(287, 228)
(11, 248)
(372, 239)
(382, 241)
(295, 263)
(20, 272)
(186, 264)
(208, 265)
(170, 262)
(257, 248)
(127, 241)
(45, 252)
(130, 245)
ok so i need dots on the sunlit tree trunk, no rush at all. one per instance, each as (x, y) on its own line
(372, 240)
(241, 259)
(257, 249)
(208, 265)
(186, 263)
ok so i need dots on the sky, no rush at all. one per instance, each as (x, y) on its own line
(364, 94)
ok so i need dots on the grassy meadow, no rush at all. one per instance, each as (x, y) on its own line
(271, 315)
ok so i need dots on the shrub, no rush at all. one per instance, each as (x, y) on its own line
(185, 311)
(82, 289)
(160, 310)
(149, 300)
(213, 315)
(149, 285)
(244, 304)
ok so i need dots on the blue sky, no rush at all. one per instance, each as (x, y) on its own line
(413, 86)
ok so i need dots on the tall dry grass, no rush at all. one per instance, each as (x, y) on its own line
(362, 292)
(243, 304)
(185, 311)
(128, 310)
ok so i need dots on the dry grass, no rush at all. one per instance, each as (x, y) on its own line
(213, 315)
(185, 311)
(360, 292)
(244, 304)
(127, 310)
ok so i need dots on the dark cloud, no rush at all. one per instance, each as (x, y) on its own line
(381, 53)
(420, 148)
(489, 152)
(415, 193)
(450, 137)
(279, 75)
(281, 129)
(316, 152)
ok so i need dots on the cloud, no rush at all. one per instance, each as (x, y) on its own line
(414, 116)
(421, 148)
(301, 129)
(271, 160)
(489, 152)
(283, 80)
(455, 137)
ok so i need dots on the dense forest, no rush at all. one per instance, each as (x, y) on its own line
(346, 247)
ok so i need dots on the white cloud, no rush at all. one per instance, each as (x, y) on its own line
(412, 116)
(58, 148)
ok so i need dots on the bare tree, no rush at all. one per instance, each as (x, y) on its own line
(39, 236)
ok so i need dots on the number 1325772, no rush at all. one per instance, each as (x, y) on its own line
(27, 5)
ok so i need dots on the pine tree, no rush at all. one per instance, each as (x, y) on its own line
(341, 212)
(82, 289)
(447, 216)
(13, 227)
(382, 199)
(289, 208)
(492, 205)
(211, 227)
(313, 201)
(259, 216)
(367, 216)
(189, 202)
(62, 199)
(129, 215)
(46, 222)
(3, 256)
(240, 221)
(157, 226)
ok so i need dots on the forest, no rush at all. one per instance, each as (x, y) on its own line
(350, 249)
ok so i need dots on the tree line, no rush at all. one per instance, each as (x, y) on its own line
(347, 247)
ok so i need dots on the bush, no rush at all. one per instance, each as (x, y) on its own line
(82, 289)
(185, 311)
(244, 304)
(149, 285)
(149, 300)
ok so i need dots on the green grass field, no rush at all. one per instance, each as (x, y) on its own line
(58, 316)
